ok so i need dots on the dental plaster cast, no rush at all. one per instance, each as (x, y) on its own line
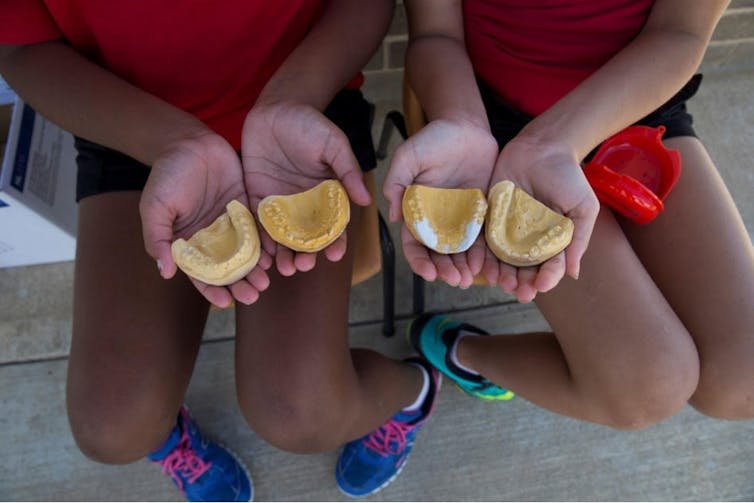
(522, 231)
(222, 253)
(308, 221)
(444, 220)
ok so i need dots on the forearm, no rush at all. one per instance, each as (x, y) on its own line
(437, 65)
(635, 82)
(333, 52)
(442, 77)
(93, 103)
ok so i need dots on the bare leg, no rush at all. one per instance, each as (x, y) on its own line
(620, 355)
(701, 256)
(299, 385)
(135, 336)
(631, 331)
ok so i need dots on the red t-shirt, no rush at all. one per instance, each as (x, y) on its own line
(533, 52)
(210, 58)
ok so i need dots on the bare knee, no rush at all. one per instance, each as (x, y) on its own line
(118, 433)
(725, 389)
(657, 391)
(303, 420)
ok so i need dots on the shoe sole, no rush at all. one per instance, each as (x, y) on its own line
(412, 336)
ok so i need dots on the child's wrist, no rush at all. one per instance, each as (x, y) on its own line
(544, 140)
(282, 90)
(470, 121)
(540, 146)
(182, 136)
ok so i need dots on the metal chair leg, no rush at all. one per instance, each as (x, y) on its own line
(393, 119)
(388, 278)
(418, 289)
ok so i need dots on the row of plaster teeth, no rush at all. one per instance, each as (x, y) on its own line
(416, 211)
(431, 237)
(236, 225)
(245, 227)
(243, 243)
(203, 259)
(481, 211)
(197, 258)
(334, 199)
(552, 235)
(292, 238)
(530, 221)
(520, 256)
(274, 212)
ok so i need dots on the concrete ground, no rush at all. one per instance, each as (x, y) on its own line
(469, 450)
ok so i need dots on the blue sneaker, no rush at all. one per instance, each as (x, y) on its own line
(371, 462)
(203, 470)
(433, 336)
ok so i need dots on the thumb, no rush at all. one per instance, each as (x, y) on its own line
(339, 156)
(165, 263)
(401, 174)
(158, 236)
(584, 219)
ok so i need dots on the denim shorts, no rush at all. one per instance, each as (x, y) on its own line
(507, 122)
(101, 169)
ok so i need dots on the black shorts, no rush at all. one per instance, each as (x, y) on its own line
(101, 169)
(507, 122)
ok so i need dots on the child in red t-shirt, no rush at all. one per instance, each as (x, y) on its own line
(162, 97)
(650, 317)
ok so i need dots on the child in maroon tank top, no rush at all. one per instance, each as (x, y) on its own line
(644, 318)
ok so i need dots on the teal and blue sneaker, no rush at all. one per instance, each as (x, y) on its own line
(203, 470)
(373, 461)
(433, 335)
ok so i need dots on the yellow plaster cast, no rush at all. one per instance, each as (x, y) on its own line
(445, 220)
(308, 221)
(223, 252)
(522, 231)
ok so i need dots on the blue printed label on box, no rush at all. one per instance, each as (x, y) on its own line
(20, 163)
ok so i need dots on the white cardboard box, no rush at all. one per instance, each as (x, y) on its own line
(38, 210)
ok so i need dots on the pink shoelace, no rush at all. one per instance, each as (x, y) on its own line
(382, 439)
(183, 460)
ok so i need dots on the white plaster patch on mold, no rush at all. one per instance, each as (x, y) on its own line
(430, 238)
(472, 231)
(427, 233)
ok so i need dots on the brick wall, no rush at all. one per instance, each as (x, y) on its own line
(731, 49)
(732, 46)
(385, 70)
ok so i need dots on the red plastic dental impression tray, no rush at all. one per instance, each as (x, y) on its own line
(632, 172)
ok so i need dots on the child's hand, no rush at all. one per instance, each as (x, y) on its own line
(448, 154)
(551, 173)
(188, 188)
(288, 148)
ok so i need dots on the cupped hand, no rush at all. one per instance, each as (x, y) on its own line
(289, 148)
(551, 173)
(446, 154)
(188, 188)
